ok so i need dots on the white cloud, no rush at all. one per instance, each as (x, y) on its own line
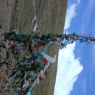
(71, 13)
(78, 1)
(68, 69)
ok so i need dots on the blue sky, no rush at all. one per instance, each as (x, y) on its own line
(76, 65)
(86, 20)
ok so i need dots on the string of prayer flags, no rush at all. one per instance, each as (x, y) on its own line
(27, 64)
(82, 40)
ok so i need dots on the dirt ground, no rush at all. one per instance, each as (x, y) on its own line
(19, 14)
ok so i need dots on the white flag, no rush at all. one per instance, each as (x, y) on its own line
(49, 58)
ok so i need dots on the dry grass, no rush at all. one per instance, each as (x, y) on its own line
(51, 13)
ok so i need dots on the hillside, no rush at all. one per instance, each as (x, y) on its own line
(19, 14)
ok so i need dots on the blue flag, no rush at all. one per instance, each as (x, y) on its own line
(29, 92)
(83, 40)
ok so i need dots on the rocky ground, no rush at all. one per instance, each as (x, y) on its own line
(50, 14)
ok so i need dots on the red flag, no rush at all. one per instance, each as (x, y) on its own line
(44, 60)
(37, 45)
(40, 77)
